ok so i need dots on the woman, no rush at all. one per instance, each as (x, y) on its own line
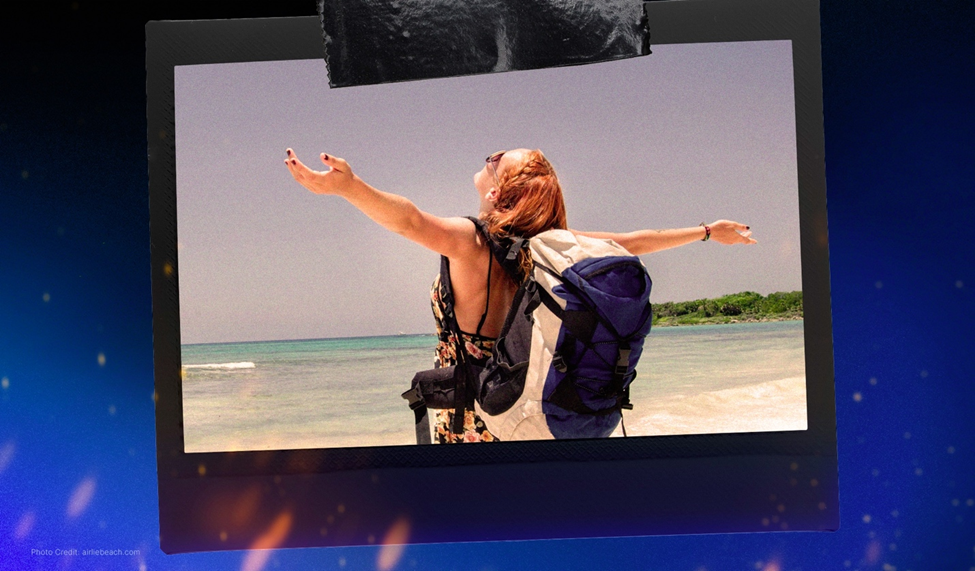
(520, 195)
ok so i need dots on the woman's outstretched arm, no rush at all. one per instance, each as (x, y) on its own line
(451, 237)
(649, 241)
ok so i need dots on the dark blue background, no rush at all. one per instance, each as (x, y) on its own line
(900, 150)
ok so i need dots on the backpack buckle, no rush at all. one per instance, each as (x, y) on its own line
(623, 362)
(559, 363)
(414, 397)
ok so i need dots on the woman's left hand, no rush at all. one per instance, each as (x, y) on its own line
(728, 232)
(336, 180)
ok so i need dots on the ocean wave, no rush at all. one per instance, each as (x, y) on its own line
(241, 365)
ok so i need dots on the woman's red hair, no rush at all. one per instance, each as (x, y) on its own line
(529, 201)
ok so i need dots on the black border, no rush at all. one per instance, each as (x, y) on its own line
(516, 490)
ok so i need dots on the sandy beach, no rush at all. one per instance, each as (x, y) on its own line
(760, 407)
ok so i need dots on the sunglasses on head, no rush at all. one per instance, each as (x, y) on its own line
(493, 160)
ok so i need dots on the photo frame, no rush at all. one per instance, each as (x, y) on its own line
(359, 496)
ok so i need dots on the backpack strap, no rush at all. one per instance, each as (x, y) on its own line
(461, 389)
(487, 301)
(451, 382)
(464, 384)
(504, 250)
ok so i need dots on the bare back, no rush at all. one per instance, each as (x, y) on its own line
(468, 278)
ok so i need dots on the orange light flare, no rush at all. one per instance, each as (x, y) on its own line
(240, 507)
(81, 497)
(393, 544)
(260, 550)
(772, 565)
(245, 506)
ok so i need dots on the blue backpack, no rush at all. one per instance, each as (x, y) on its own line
(567, 353)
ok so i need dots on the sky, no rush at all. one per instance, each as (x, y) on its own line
(692, 133)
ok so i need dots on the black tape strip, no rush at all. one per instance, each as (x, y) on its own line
(383, 41)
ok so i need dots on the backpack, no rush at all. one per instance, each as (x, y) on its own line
(567, 352)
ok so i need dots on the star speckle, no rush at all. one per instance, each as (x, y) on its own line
(873, 381)
(5, 383)
(857, 397)
(46, 297)
(866, 518)
(81, 497)
(101, 359)
(6, 455)
(24, 526)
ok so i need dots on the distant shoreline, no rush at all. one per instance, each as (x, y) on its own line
(667, 322)
(743, 307)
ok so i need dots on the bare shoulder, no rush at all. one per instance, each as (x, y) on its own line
(454, 237)
(469, 245)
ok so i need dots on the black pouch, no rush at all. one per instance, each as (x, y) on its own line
(439, 389)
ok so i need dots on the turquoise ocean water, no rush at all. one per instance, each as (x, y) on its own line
(346, 392)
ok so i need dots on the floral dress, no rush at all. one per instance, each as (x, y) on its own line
(478, 349)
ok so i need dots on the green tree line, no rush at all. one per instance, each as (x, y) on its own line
(734, 308)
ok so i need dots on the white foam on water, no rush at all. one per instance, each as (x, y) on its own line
(770, 406)
(241, 365)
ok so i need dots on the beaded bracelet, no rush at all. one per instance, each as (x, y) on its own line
(707, 232)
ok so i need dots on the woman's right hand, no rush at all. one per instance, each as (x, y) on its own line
(729, 232)
(336, 180)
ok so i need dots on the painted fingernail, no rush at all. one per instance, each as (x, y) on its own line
(325, 156)
(294, 162)
(748, 227)
(289, 152)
